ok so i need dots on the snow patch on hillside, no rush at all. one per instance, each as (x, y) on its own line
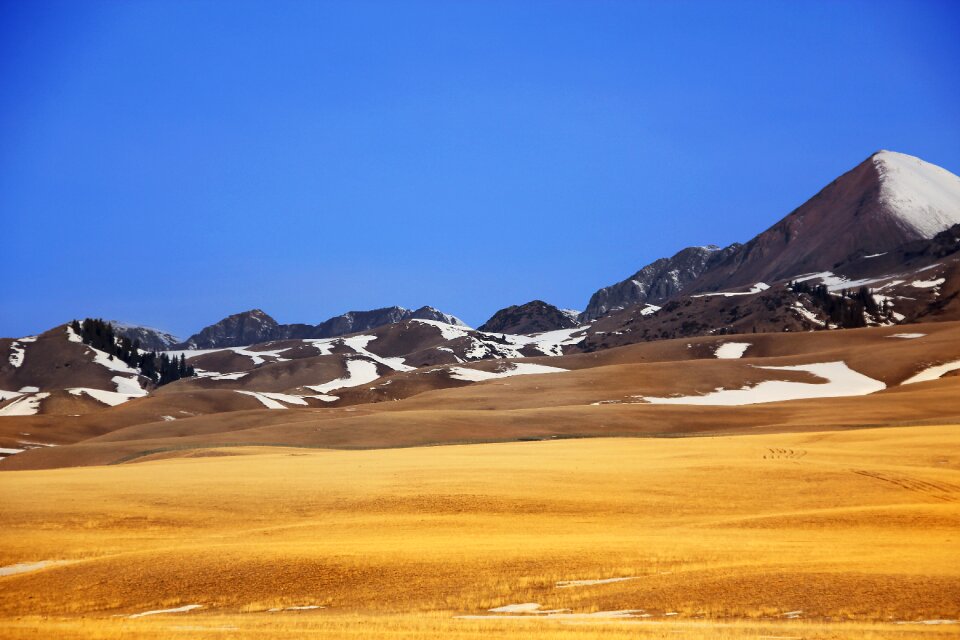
(549, 343)
(757, 288)
(109, 398)
(807, 314)
(268, 402)
(17, 352)
(110, 362)
(731, 350)
(933, 373)
(447, 331)
(359, 345)
(259, 357)
(129, 386)
(513, 369)
(839, 381)
(27, 405)
(359, 372)
(230, 376)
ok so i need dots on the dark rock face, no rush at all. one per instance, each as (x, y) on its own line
(430, 313)
(657, 282)
(150, 339)
(533, 317)
(355, 321)
(251, 327)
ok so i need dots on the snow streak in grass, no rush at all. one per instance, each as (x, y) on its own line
(183, 609)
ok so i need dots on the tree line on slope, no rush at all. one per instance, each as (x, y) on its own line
(849, 309)
(160, 368)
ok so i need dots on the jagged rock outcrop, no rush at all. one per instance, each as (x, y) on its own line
(657, 282)
(248, 327)
(150, 339)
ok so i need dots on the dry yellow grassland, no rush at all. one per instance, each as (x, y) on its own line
(812, 535)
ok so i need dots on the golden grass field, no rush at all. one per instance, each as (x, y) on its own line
(855, 532)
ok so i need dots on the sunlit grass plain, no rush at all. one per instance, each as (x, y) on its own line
(813, 535)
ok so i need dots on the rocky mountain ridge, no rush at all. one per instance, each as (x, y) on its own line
(256, 326)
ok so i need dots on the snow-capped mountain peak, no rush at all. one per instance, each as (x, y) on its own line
(923, 197)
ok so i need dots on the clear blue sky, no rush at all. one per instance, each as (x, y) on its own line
(170, 162)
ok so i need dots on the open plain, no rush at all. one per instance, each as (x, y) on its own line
(803, 535)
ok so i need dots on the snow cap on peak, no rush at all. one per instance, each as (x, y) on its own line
(923, 197)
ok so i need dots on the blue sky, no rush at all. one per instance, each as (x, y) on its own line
(170, 163)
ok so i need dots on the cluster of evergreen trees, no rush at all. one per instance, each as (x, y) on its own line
(160, 368)
(848, 309)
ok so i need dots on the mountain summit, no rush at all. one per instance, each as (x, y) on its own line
(535, 316)
(887, 200)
